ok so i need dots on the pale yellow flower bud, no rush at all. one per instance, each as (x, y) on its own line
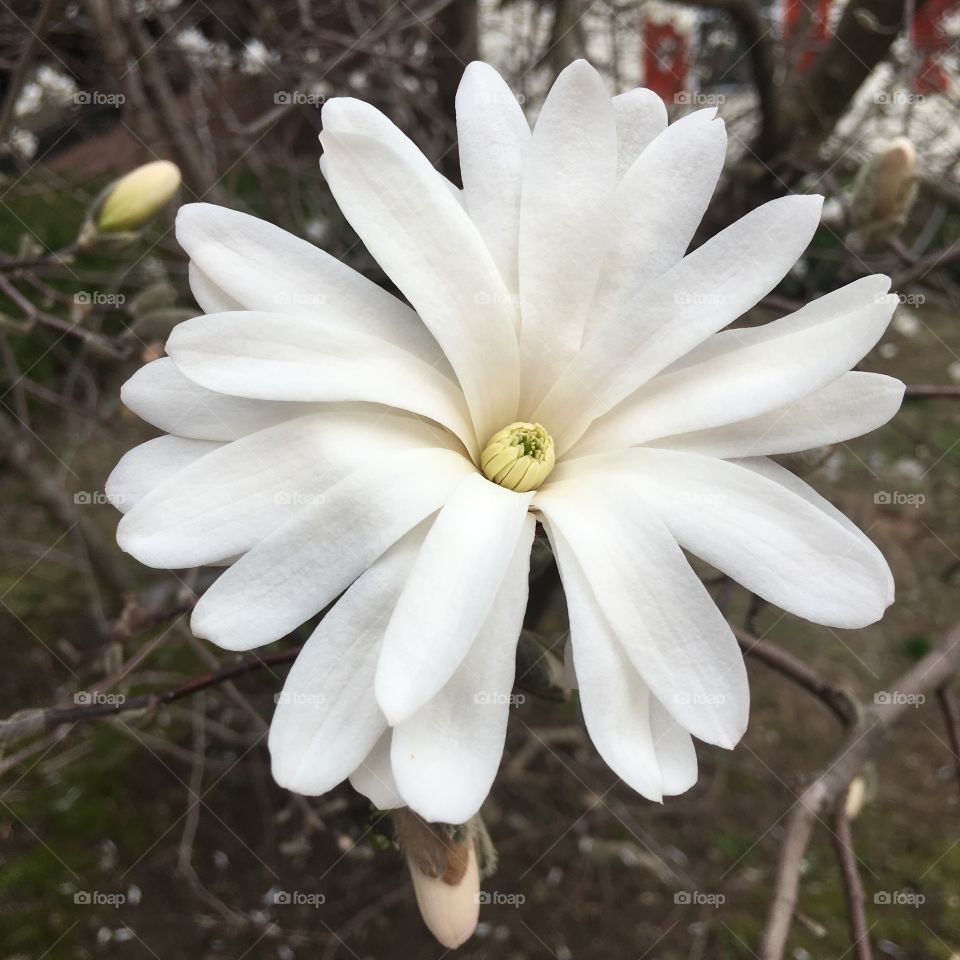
(519, 457)
(450, 910)
(138, 196)
(884, 192)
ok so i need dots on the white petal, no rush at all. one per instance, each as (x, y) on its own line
(773, 471)
(269, 356)
(570, 170)
(212, 299)
(656, 209)
(160, 394)
(760, 376)
(445, 756)
(613, 697)
(262, 267)
(374, 777)
(675, 751)
(449, 593)
(707, 290)
(656, 606)
(428, 246)
(229, 500)
(765, 537)
(150, 464)
(327, 720)
(849, 407)
(492, 135)
(641, 116)
(303, 565)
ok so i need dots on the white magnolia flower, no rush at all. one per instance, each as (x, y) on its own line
(325, 438)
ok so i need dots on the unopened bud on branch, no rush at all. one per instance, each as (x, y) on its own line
(884, 192)
(137, 197)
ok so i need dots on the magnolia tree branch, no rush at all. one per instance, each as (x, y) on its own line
(830, 786)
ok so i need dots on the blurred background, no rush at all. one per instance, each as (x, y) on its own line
(138, 817)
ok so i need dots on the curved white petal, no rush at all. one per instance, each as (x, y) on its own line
(262, 267)
(210, 297)
(758, 377)
(327, 720)
(427, 244)
(449, 593)
(374, 777)
(230, 499)
(665, 319)
(773, 471)
(675, 751)
(640, 116)
(656, 209)
(851, 406)
(493, 136)
(614, 699)
(300, 567)
(160, 394)
(661, 613)
(267, 356)
(150, 464)
(570, 170)
(765, 537)
(446, 755)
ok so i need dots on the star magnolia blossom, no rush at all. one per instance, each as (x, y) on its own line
(560, 361)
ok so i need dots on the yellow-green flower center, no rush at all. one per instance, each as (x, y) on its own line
(519, 457)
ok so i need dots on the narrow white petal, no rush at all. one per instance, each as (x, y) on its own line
(762, 375)
(675, 751)
(493, 136)
(300, 567)
(374, 777)
(851, 406)
(160, 394)
(773, 471)
(212, 299)
(145, 467)
(261, 267)
(613, 697)
(446, 755)
(223, 504)
(570, 170)
(658, 609)
(449, 593)
(327, 720)
(656, 209)
(640, 115)
(667, 318)
(765, 537)
(268, 356)
(427, 244)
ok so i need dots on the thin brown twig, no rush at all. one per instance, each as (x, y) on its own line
(852, 884)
